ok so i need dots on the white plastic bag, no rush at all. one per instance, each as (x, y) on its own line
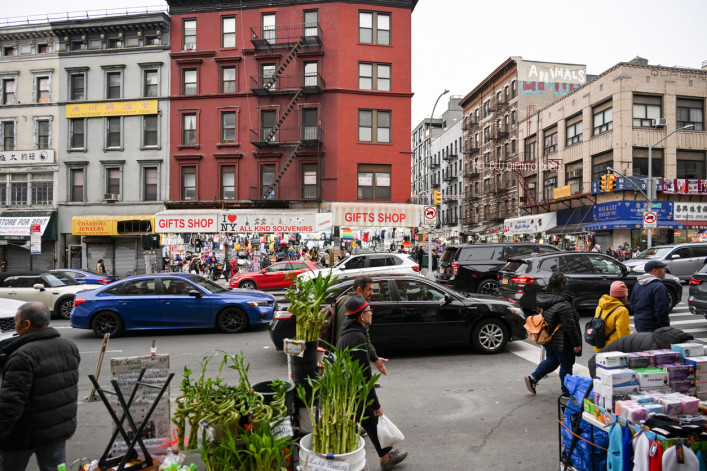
(388, 433)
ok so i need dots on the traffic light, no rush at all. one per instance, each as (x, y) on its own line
(610, 182)
(604, 182)
(436, 197)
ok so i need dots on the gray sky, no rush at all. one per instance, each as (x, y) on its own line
(457, 43)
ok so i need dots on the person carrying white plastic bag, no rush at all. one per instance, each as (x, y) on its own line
(388, 433)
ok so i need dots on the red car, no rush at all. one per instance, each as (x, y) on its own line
(277, 276)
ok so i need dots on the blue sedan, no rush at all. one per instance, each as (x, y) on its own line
(86, 277)
(169, 301)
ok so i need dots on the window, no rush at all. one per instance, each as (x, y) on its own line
(374, 28)
(309, 120)
(603, 118)
(645, 110)
(77, 82)
(267, 123)
(228, 182)
(311, 74)
(550, 141)
(487, 134)
(152, 84)
(228, 79)
(76, 184)
(113, 85)
(149, 184)
(690, 111)
(112, 180)
(150, 137)
(309, 181)
(374, 125)
(267, 178)
(374, 182)
(113, 140)
(268, 73)
(550, 185)
(77, 133)
(189, 86)
(188, 183)
(640, 162)
(600, 163)
(189, 129)
(8, 91)
(372, 76)
(8, 135)
(18, 189)
(42, 189)
(268, 27)
(228, 31)
(529, 155)
(691, 164)
(189, 35)
(43, 131)
(115, 42)
(311, 23)
(42, 90)
(574, 130)
(152, 40)
(42, 48)
(228, 127)
(8, 51)
(605, 265)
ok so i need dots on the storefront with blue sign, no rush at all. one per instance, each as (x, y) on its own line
(620, 222)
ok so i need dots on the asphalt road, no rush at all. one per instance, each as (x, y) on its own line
(458, 410)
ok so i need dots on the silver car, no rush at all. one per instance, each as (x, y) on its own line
(682, 260)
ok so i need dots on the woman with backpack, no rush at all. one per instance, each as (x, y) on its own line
(562, 319)
(613, 310)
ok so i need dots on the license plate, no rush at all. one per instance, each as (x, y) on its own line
(504, 281)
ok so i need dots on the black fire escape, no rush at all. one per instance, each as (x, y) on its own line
(285, 43)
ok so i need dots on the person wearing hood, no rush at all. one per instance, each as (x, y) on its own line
(613, 308)
(649, 299)
(557, 309)
(353, 335)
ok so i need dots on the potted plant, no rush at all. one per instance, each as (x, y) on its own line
(341, 393)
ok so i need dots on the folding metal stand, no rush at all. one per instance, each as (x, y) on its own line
(130, 453)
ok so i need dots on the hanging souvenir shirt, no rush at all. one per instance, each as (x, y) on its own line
(655, 457)
(641, 444)
(680, 458)
(614, 459)
(701, 459)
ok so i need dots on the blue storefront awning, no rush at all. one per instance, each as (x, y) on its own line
(629, 224)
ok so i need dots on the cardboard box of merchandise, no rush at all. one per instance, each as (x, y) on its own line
(639, 360)
(665, 357)
(689, 349)
(610, 360)
(652, 377)
(700, 363)
(680, 372)
(617, 377)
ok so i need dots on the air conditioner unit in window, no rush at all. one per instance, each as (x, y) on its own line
(111, 197)
(531, 185)
(190, 47)
(576, 174)
(660, 122)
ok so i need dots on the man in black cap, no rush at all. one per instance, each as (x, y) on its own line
(649, 299)
(353, 335)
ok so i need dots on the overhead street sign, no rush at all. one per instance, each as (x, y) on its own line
(430, 214)
(650, 220)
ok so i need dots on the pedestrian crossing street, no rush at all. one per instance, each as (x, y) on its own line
(681, 318)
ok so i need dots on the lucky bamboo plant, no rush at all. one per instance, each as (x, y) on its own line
(306, 298)
(342, 394)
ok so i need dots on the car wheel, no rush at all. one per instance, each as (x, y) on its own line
(488, 287)
(249, 284)
(232, 320)
(489, 336)
(106, 322)
(63, 308)
(671, 300)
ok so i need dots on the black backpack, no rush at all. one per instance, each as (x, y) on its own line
(595, 330)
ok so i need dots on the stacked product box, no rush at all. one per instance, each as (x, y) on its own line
(700, 365)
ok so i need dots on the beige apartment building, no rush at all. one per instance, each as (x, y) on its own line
(493, 113)
(608, 125)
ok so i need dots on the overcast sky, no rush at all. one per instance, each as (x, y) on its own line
(457, 43)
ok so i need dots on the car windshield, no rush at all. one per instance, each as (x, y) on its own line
(59, 279)
(448, 254)
(654, 253)
(207, 285)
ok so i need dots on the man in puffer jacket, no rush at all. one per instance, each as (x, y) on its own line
(556, 303)
(39, 393)
(649, 299)
(661, 338)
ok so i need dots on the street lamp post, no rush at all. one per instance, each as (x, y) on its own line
(650, 193)
(430, 273)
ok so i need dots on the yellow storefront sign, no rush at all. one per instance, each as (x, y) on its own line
(562, 192)
(117, 108)
(105, 225)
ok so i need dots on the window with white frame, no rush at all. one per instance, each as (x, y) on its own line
(113, 180)
(18, 189)
(188, 182)
(77, 86)
(151, 83)
(189, 129)
(374, 76)
(268, 72)
(8, 135)
(228, 127)
(42, 133)
(77, 133)
(113, 132)
(603, 118)
(374, 182)
(691, 111)
(189, 35)
(9, 91)
(77, 184)
(374, 27)
(228, 79)
(114, 82)
(228, 182)
(268, 26)
(311, 74)
(189, 86)
(374, 125)
(309, 181)
(42, 88)
(574, 130)
(228, 31)
(150, 131)
(646, 108)
(42, 189)
(311, 23)
(150, 177)
(551, 139)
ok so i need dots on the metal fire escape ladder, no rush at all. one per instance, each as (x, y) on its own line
(284, 168)
(285, 63)
(284, 115)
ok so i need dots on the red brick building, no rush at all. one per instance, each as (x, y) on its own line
(290, 101)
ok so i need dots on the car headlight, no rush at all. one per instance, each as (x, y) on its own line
(516, 310)
(259, 303)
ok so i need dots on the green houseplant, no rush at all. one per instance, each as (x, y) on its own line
(306, 298)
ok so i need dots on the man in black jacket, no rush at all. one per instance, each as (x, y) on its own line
(39, 393)
(353, 336)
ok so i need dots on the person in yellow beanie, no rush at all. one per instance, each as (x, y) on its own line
(617, 323)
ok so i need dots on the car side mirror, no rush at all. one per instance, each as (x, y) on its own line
(448, 298)
(38, 286)
(195, 293)
(674, 256)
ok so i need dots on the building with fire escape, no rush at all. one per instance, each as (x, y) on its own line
(495, 182)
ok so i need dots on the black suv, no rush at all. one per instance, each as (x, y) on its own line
(589, 275)
(473, 268)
